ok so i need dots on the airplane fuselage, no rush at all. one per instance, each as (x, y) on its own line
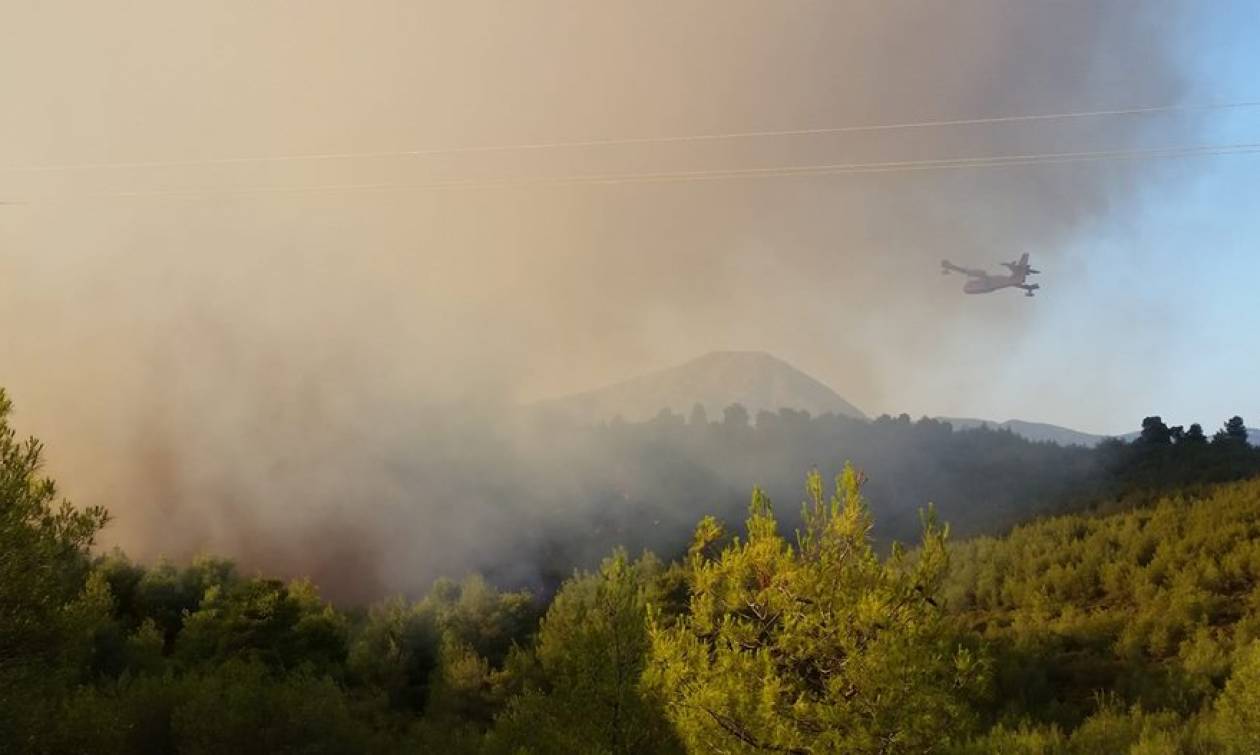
(992, 283)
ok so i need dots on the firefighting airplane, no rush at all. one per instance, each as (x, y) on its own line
(982, 283)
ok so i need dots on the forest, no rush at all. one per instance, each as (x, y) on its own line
(1120, 613)
(643, 485)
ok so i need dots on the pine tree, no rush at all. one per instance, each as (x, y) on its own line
(586, 692)
(817, 647)
(1236, 429)
(735, 416)
(46, 620)
(1155, 432)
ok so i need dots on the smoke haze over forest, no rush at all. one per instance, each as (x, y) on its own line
(247, 357)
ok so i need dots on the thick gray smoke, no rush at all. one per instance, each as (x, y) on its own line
(289, 377)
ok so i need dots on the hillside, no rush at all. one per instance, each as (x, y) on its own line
(1134, 632)
(1156, 605)
(754, 379)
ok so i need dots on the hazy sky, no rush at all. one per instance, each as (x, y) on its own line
(209, 310)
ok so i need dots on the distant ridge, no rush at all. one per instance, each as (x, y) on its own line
(756, 380)
(1065, 436)
(1038, 432)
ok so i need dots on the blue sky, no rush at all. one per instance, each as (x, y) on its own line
(1159, 310)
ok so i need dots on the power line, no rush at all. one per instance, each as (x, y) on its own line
(820, 169)
(591, 143)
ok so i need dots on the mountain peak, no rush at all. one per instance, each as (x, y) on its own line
(755, 379)
(735, 355)
(756, 360)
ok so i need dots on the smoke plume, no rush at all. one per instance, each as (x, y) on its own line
(313, 381)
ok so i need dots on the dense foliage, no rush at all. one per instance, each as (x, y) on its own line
(1134, 627)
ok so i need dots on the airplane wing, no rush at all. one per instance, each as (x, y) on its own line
(947, 266)
(1021, 266)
